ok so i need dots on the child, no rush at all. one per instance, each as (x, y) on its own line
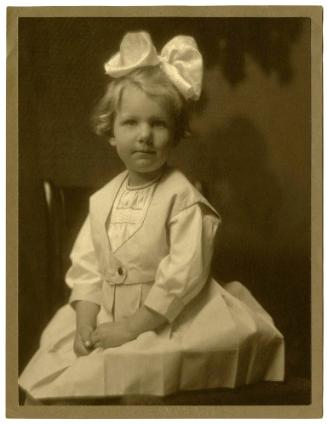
(144, 316)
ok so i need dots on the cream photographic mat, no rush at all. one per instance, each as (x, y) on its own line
(261, 161)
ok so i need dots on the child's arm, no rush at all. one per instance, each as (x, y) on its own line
(144, 320)
(117, 333)
(85, 280)
(86, 320)
(184, 272)
(86, 314)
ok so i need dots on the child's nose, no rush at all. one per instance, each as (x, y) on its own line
(145, 133)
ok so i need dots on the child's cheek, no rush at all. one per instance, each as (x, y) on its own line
(129, 132)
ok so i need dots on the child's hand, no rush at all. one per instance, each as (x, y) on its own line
(110, 334)
(82, 342)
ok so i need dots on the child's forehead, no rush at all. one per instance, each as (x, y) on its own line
(134, 99)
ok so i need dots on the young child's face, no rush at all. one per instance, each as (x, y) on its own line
(143, 134)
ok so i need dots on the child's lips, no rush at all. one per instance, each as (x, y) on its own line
(144, 152)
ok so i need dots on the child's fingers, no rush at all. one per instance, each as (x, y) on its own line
(87, 343)
(79, 349)
(85, 335)
(98, 344)
(95, 337)
(83, 351)
(84, 342)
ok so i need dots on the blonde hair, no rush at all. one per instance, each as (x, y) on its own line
(152, 81)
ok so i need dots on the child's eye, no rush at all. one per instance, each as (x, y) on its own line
(130, 122)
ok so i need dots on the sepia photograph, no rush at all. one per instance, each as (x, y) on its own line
(167, 257)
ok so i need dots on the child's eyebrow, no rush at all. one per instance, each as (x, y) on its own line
(127, 115)
(154, 117)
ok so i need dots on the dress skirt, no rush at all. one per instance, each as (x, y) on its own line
(223, 338)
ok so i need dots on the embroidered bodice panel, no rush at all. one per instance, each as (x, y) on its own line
(128, 212)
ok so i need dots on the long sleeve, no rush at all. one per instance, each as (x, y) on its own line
(184, 271)
(83, 275)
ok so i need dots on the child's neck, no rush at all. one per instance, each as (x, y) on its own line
(139, 179)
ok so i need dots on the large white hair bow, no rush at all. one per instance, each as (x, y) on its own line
(180, 59)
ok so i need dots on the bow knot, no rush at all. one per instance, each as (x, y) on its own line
(180, 59)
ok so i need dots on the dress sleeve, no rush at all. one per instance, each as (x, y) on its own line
(83, 276)
(184, 271)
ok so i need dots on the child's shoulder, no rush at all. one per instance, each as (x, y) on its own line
(109, 188)
(176, 177)
(183, 193)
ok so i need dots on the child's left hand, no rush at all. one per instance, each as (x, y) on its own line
(111, 334)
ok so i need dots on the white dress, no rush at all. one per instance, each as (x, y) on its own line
(222, 338)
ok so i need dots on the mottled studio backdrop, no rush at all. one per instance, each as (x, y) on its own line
(250, 149)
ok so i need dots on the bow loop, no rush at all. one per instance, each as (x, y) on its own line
(136, 51)
(180, 59)
(185, 69)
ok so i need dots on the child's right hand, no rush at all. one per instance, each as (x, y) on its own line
(82, 341)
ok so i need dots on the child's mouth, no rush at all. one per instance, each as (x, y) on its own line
(144, 152)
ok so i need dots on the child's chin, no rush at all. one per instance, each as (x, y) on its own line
(147, 169)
